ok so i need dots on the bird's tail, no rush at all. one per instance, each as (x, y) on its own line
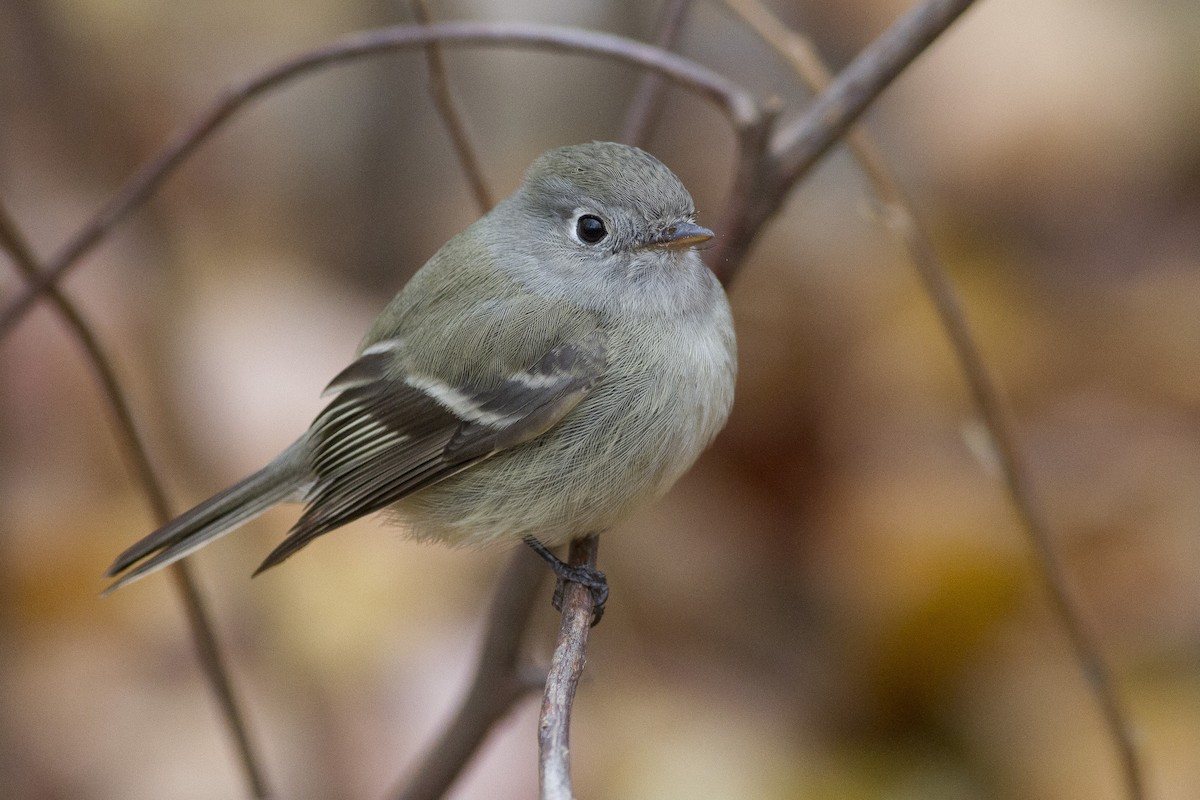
(278, 481)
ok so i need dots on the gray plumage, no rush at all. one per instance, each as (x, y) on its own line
(526, 382)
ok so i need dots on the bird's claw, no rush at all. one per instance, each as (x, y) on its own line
(589, 578)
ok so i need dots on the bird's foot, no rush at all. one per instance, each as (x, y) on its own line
(585, 575)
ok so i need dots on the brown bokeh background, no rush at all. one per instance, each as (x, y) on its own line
(836, 603)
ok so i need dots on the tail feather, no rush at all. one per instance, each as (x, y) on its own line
(216, 516)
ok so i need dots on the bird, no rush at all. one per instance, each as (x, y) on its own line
(556, 365)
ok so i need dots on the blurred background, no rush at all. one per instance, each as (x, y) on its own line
(836, 603)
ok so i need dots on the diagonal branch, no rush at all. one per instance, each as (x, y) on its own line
(451, 114)
(795, 148)
(800, 144)
(204, 636)
(726, 95)
(998, 421)
(501, 679)
(900, 215)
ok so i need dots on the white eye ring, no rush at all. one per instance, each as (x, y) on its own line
(589, 229)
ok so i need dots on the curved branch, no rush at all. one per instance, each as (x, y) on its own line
(738, 105)
(204, 636)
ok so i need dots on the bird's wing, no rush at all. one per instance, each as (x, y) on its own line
(389, 433)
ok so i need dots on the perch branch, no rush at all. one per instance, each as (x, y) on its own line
(900, 215)
(203, 634)
(566, 667)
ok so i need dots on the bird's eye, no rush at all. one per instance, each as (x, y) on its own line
(590, 229)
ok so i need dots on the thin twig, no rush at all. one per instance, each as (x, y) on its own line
(901, 216)
(566, 667)
(646, 107)
(451, 114)
(996, 417)
(796, 147)
(501, 679)
(738, 105)
(212, 661)
(203, 634)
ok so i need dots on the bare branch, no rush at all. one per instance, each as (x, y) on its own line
(452, 116)
(566, 667)
(900, 215)
(738, 105)
(500, 680)
(799, 145)
(795, 148)
(203, 634)
(645, 108)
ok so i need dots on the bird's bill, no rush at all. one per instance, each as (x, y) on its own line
(683, 235)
